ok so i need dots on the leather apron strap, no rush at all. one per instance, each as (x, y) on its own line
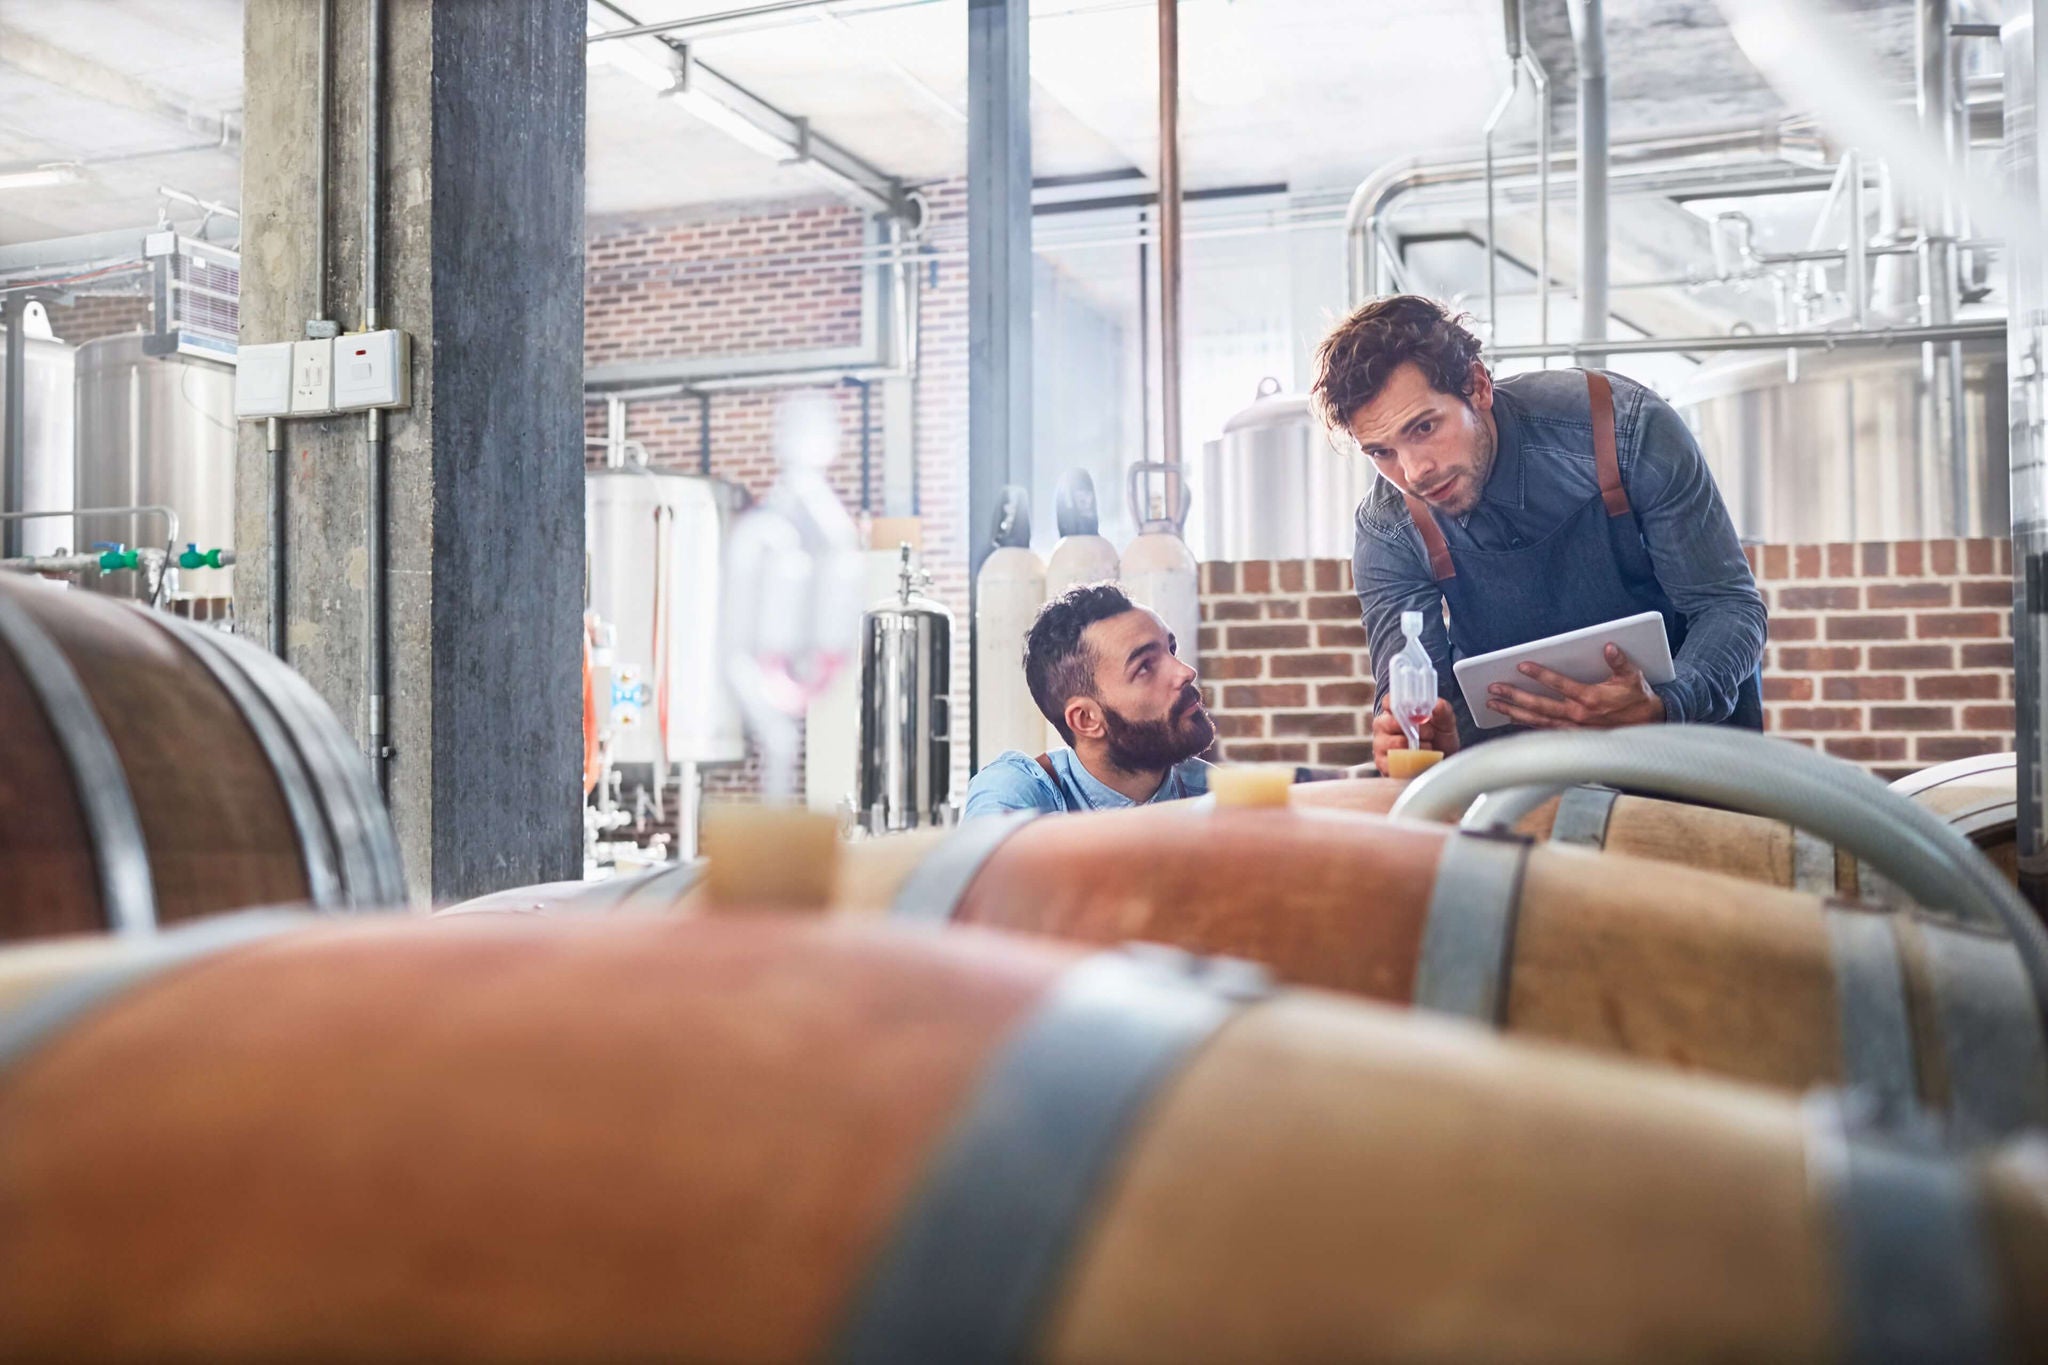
(1606, 462)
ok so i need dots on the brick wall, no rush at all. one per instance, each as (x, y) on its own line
(763, 279)
(91, 316)
(1894, 656)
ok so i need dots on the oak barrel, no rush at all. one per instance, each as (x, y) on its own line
(1663, 963)
(769, 1139)
(157, 770)
(1977, 796)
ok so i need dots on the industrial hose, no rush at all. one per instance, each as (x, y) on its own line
(1740, 771)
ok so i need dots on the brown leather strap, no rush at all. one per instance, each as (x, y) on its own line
(1605, 461)
(1045, 762)
(1440, 566)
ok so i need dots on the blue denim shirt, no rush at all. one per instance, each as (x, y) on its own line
(1014, 781)
(1543, 472)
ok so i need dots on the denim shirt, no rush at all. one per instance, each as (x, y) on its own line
(1014, 781)
(1544, 472)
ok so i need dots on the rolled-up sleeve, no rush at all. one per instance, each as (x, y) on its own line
(1699, 562)
(1391, 574)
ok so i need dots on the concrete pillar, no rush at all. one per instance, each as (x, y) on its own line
(482, 263)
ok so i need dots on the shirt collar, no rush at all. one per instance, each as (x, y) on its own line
(1507, 485)
(1100, 796)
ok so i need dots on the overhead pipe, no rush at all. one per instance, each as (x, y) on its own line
(1500, 109)
(1990, 329)
(1589, 41)
(1169, 230)
(1669, 155)
(1539, 80)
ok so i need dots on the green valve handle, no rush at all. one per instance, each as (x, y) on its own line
(195, 558)
(116, 559)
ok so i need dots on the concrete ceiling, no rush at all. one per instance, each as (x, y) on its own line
(1313, 93)
(134, 91)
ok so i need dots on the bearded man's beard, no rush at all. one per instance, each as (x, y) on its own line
(1139, 746)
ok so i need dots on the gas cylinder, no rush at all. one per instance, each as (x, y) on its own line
(1158, 569)
(1083, 554)
(1008, 592)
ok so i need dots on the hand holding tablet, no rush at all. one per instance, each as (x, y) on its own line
(1575, 682)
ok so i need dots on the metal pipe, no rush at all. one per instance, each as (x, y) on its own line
(1169, 230)
(280, 470)
(1377, 193)
(1540, 80)
(1989, 329)
(1857, 265)
(1500, 109)
(373, 158)
(704, 434)
(132, 509)
(376, 666)
(1589, 40)
(322, 98)
(376, 626)
(703, 20)
(14, 438)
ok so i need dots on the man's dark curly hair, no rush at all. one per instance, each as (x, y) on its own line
(1355, 360)
(1057, 665)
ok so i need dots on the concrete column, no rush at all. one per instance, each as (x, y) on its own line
(482, 263)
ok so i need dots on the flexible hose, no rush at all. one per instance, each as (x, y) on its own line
(1506, 809)
(1746, 772)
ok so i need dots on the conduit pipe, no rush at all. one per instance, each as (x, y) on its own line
(376, 664)
(1908, 845)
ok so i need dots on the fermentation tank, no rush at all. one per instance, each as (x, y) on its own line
(1274, 487)
(655, 541)
(1845, 451)
(906, 748)
(48, 450)
(156, 430)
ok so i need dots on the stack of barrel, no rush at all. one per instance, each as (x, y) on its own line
(1141, 1099)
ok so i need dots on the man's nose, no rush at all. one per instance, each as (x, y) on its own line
(1186, 668)
(1418, 470)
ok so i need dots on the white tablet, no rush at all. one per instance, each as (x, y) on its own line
(1578, 654)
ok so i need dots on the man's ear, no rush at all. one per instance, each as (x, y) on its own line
(1482, 388)
(1084, 718)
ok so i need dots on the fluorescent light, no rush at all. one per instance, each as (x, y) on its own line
(709, 108)
(647, 60)
(41, 177)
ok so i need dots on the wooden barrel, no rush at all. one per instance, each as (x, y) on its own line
(159, 770)
(1658, 962)
(767, 1139)
(1975, 795)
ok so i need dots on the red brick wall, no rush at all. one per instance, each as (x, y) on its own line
(766, 279)
(93, 316)
(1894, 656)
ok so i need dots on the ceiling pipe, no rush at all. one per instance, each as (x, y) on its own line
(1589, 41)
(1169, 230)
(1665, 157)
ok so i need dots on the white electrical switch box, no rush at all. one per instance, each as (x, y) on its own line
(372, 370)
(263, 380)
(312, 378)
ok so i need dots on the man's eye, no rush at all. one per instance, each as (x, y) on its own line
(1424, 428)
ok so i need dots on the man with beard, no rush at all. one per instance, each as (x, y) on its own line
(1104, 672)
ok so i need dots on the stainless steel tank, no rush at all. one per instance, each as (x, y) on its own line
(1273, 487)
(1845, 452)
(906, 749)
(49, 450)
(654, 542)
(156, 430)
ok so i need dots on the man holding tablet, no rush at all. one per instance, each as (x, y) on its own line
(1547, 503)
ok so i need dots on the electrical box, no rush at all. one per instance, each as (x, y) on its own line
(263, 380)
(312, 378)
(372, 370)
